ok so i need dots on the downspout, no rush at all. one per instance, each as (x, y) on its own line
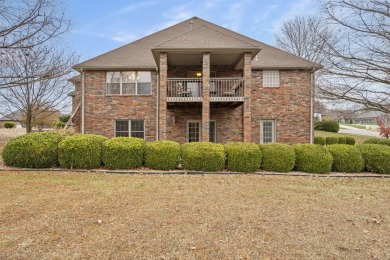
(311, 105)
(82, 102)
(158, 105)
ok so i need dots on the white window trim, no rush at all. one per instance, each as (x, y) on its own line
(273, 132)
(200, 129)
(267, 81)
(129, 125)
(136, 84)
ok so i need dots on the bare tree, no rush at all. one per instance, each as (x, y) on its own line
(306, 37)
(43, 95)
(359, 62)
(26, 24)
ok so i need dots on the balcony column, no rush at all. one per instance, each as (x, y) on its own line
(162, 120)
(247, 114)
(206, 97)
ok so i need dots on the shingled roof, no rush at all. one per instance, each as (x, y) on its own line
(202, 35)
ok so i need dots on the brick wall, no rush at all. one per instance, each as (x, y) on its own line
(101, 110)
(228, 122)
(289, 105)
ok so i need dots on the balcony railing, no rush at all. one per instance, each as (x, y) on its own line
(190, 89)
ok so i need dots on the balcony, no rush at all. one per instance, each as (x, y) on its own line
(190, 89)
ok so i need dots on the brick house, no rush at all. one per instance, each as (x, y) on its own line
(196, 81)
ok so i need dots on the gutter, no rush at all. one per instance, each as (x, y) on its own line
(311, 105)
(158, 105)
(82, 102)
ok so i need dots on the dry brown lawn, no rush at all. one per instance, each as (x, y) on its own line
(106, 216)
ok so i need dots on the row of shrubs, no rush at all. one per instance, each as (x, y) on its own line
(44, 150)
(334, 140)
(327, 125)
(377, 140)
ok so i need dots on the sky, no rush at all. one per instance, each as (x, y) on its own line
(99, 26)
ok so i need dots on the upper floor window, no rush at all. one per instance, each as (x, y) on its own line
(129, 83)
(271, 79)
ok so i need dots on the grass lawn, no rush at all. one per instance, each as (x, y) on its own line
(358, 138)
(85, 215)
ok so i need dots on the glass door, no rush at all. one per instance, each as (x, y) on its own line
(194, 129)
(267, 131)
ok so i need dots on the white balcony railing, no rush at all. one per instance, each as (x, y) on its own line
(190, 89)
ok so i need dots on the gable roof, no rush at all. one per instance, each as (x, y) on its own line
(201, 35)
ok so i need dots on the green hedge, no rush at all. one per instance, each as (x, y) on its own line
(374, 140)
(9, 124)
(346, 158)
(162, 155)
(277, 157)
(319, 140)
(59, 125)
(350, 140)
(312, 158)
(203, 156)
(328, 126)
(376, 157)
(384, 142)
(342, 140)
(81, 151)
(34, 150)
(332, 140)
(242, 157)
(123, 152)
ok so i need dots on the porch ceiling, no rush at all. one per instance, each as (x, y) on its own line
(227, 57)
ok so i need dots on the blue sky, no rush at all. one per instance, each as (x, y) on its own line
(100, 26)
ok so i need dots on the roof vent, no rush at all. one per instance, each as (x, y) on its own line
(191, 23)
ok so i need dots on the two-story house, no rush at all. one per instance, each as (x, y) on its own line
(196, 81)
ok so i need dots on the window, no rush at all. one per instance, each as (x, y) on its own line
(212, 132)
(132, 128)
(271, 79)
(129, 83)
(267, 131)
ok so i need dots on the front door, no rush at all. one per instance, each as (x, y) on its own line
(194, 131)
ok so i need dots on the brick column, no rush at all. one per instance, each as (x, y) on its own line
(206, 97)
(162, 121)
(247, 115)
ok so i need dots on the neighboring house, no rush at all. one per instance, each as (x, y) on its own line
(196, 81)
(370, 118)
(14, 117)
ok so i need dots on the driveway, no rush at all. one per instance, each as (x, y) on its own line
(355, 131)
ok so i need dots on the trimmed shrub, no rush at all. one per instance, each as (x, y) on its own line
(350, 140)
(346, 158)
(59, 125)
(384, 142)
(277, 157)
(319, 140)
(203, 156)
(312, 158)
(64, 118)
(332, 140)
(376, 157)
(9, 124)
(162, 155)
(242, 157)
(81, 151)
(374, 140)
(123, 152)
(34, 150)
(328, 126)
(342, 140)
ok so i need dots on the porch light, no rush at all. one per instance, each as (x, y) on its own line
(198, 74)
